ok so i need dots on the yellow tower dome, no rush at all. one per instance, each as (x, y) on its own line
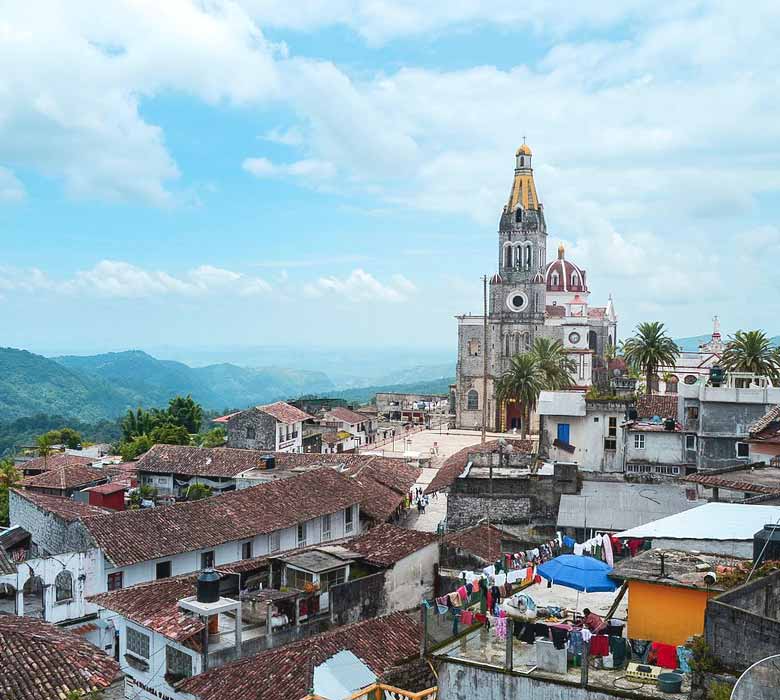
(524, 150)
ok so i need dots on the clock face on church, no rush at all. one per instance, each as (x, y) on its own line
(517, 300)
(574, 337)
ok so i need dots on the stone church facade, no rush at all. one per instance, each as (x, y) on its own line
(528, 298)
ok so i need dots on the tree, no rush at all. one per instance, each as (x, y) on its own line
(132, 449)
(523, 381)
(10, 477)
(198, 491)
(186, 412)
(751, 351)
(170, 435)
(44, 444)
(64, 436)
(648, 349)
(554, 362)
(141, 422)
(213, 438)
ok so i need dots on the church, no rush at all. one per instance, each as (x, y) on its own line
(528, 298)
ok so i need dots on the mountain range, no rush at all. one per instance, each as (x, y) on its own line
(93, 387)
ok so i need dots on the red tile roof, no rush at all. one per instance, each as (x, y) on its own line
(55, 461)
(737, 484)
(39, 661)
(226, 417)
(132, 536)
(284, 412)
(597, 312)
(344, 414)
(386, 544)
(155, 605)
(767, 428)
(455, 464)
(481, 541)
(111, 487)
(555, 311)
(200, 461)
(663, 405)
(64, 508)
(286, 673)
(66, 477)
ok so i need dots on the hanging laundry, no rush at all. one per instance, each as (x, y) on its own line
(463, 594)
(455, 599)
(489, 570)
(684, 656)
(515, 575)
(579, 549)
(499, 627)
(575, 642)
(664, 654)
(568, 542)
(607, 544)
(500, 579)
(467, 617)
(441, 609)
(599, 645)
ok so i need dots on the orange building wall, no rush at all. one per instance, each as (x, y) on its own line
(665, 614)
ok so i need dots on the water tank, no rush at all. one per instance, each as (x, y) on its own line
(669, 424)
(208, 586)
(270, 461)
(717, 376)
(769, 537)
(632, 414)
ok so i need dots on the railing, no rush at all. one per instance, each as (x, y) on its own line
(380, 691)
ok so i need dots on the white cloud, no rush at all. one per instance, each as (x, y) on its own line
(11, 190)
(23, 279)
(308, 169)
(360, 286)
(287, 137)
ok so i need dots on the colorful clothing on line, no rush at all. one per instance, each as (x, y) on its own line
(599, 645)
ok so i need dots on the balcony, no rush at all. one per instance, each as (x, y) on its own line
(380, 691)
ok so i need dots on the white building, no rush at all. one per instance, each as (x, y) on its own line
(277, 426)
(361, 427)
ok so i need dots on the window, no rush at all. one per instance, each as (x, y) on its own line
(298, 579)
(690, 442)
(671, 384)
(555, 280)
(332, 578)
(250, 432)
(325, 527)
(178, 664)
(575, 280)
(595, 419)
(246, 550)
(610, 441)
(563, 432)
(207, 560)
(612, 426)
(692, 412)
(689, 379)
(138, 643)
(114, 581)
(301, 534)
(63, 585)
(639, 441)
(163, 569)
(472, 400)
(349, 520)
(275, 543)
(743, 450)
(473, 347)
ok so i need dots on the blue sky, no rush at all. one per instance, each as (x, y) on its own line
(331, 173)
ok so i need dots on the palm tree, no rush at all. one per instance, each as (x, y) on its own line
(523, 381)
(751, 351)
(555, 363)
(44, 444)
(650, 348)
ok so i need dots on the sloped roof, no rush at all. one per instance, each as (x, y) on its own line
(767, 427)
(481, 540)
(284, 412)
(286, 673)
(128, 537)
(764, 480)
(68, 476)
(55, 461)
(346, 415)
(64, 508)
(663, 405)
(39, 661)
(386, 544)
(455, 464)
(200, 461)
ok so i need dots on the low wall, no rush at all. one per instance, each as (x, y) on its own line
(357, 600)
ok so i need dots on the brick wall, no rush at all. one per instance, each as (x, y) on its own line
(357, 600)
(49, 532)
(265, 431)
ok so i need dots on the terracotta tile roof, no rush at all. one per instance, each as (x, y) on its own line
(200, 461)
(39, 661)
(346, 415)
(385, 483)
(6, 564)
(769, 419)
(55, 461)
(597, 312)
(226, 417)
(663, 405)
(386, 544)
(155, 605)
(555, 311)
(111, 487)
(455, 464)
(481, 541)
(64, 508)
(284, 412)
(286, 673)
(133, 536)
(64, 477)
(737, 484)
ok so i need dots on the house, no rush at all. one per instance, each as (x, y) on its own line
(714, 528)
(56, 460)
(668, 591)
(655, 442)
(65, 480)
(110, 495)
(361, 427)
(755, 483)
(277, 426)
(39, 661)
(417, 409)
(589, 432)
(764, 438)
(476, 547)
(339, 442)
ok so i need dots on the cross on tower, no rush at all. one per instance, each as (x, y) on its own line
(524, 140)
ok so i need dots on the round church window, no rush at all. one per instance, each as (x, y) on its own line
(574, 337)
(517, 301)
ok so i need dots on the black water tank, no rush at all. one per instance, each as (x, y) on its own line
(208, 586)
(769, 537)
(670, 424)
(632, 414)
(717, 376)
(270, 461)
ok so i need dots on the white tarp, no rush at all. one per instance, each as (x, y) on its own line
(561, 403)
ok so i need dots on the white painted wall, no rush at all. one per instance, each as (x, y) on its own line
(411, 579)
(662, 447)
(284, 441)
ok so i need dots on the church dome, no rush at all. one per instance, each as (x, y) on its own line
(524, 150)
(564, 276)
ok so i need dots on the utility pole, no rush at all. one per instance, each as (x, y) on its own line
(484, 355)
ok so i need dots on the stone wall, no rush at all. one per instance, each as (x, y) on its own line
(265, 431)
(357, 600)
(50, 534)
(742, 626)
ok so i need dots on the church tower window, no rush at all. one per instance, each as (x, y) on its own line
(575, 280)
(508, 256)
(473, 347)
(555, 280)
(472, 400)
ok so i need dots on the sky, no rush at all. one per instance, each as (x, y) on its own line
(214, 173)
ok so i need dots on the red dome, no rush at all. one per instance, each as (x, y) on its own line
(564, 276)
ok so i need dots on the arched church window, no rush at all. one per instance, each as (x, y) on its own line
(506, 345)
(575, 280)
(519, 214)
(555, 280)
(527, 341)
(522, 161)
(528, 256)
(472, 400)
(63, 585)
(508, 256)
(517, 343)
(473, 347)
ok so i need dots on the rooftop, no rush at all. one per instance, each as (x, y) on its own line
(39, 661)
(64, 477)
(64, 508)
(662, 405)
(284, 412)
(770, 417)
(713, 521)
(128, 537)
(386, 544)
(111, 487)
(54, 461)
(455, 464)
(317, 560)
(200, 461)
(671, 567)
(757, 479)
(483, 541)
(286, 673)
(346, 415)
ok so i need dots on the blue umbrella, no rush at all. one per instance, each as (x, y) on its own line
(578, 572)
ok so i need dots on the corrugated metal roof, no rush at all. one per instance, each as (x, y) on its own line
(713, 521)
(561, 403)
(621, 505)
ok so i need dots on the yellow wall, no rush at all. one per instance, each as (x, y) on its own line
(665, 614)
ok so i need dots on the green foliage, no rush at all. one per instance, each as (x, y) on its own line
(720, 691)
(554, 362)
(142, 493)
(215, 437)
(64, 436)
(198, 491)
(185, 412)
(10, 477)
(22, 432)
(44, 445)
(752, 351)
(168, 434)
(132, 449)
(702, 661)
(523, 381)
(365, 394)
(141, 429)
(648, 349)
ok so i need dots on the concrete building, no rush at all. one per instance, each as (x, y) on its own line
(277, 426)
(528, 298)
(764, 438)
(418, 409)
(361, 427)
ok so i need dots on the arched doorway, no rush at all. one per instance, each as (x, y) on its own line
(32, 595)
(514, 415)
(593, 341)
